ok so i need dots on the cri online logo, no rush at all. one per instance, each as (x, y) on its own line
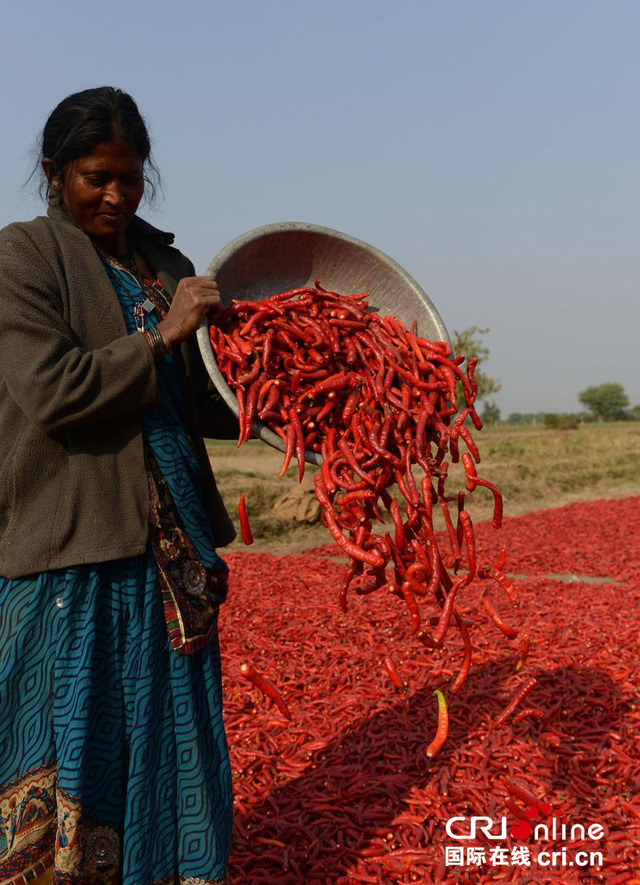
(526, 824)
(523, 827)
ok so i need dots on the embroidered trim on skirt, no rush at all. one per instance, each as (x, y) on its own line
(113, 754)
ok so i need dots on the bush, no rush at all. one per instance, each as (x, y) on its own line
(561, 421)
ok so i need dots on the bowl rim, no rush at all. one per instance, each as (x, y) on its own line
(280, 227)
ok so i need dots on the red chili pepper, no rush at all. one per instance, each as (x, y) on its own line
(470, 470)
(333, 383)
(395, 677)
(518, 810)
(453, 538)
(243, 346)
(321, 493)
(469, 537)
(418, 585)
(401, 537)
(268, 396)
(240, 396)
(251, 374)
(371, 557)
(404, 490)
(290, 441)
(426, 412)
(353, 462)
(501, 579)
(525, 795)
(382, 453)
(251, 403)
(471, 445)
(294, 418)
(447, 611)
(443, 726)
(351, 403)
(509, 631)
(414, 495)
(471, 367)
(497, 500)
(524, 653)
(256, 317)
(412, 605)
(528, 713)
(266, 687)
(245, 528)
(515, 702)
(461, 505)
(466, 663)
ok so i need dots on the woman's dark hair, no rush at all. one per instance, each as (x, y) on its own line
(86, 119)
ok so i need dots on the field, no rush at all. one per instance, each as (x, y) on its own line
(344, 793)
(535, 468)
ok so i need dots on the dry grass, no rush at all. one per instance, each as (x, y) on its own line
(534, 468)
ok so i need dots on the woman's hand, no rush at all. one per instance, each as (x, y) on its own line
(193, 299)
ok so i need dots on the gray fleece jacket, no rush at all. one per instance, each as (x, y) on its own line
(73, 485)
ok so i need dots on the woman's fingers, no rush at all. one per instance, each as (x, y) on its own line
(194, 298)
(196, 288)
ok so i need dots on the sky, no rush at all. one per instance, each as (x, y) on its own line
(489, 146)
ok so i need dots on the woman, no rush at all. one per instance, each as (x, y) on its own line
(113, 760)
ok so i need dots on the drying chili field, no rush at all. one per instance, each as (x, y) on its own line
(345, 793)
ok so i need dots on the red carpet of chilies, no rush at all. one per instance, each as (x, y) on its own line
(344, 793)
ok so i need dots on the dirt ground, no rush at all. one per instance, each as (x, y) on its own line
(253, 469)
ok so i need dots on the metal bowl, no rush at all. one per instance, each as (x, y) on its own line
(277, 257)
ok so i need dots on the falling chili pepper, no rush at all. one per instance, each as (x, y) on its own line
(245, 528)
(466, 663)
(509, 631)
(443, 726)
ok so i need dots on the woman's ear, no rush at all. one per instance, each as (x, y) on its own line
(54, 180)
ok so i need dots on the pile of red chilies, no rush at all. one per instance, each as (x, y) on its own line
(344, 794)
(377, 401)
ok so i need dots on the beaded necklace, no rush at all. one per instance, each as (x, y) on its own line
(158, 302)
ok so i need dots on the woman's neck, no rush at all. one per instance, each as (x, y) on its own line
(116, 246)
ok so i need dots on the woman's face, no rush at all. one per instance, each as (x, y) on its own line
(102, 191)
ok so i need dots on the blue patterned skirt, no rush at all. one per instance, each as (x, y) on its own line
(113, 759)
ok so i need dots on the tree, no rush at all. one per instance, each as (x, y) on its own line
(604, 400)
(490, 414)
(470, 343)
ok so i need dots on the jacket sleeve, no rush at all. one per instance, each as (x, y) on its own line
(55, 381)
(216, 419)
